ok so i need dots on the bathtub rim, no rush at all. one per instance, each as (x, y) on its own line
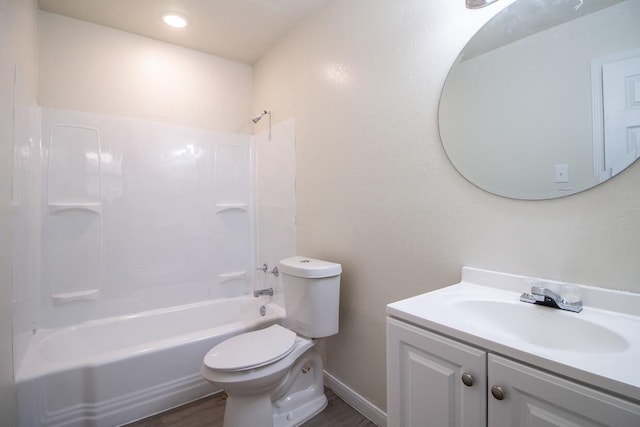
(33, 366)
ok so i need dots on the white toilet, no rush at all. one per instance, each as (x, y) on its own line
(273, 376)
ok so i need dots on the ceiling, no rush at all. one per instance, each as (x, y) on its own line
(239, 30)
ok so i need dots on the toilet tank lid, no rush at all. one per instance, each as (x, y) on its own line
(308, 267)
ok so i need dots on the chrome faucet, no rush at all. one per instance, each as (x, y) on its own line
(265, 269)
(545, 296)
(268, 291)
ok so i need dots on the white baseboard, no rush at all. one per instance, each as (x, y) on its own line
(359, 403)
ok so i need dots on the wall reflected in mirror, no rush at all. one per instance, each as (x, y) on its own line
(477, 4)
(544, 101)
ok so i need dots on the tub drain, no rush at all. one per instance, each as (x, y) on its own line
(263, 310)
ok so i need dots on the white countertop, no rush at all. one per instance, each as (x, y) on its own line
(599, 346)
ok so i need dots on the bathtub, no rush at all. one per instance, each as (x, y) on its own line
(112, 371)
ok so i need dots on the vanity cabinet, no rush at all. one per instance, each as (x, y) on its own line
(536, 398)
(437, 381)
(424, 379)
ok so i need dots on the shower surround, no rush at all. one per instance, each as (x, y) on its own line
(139, 215)
(141, 220)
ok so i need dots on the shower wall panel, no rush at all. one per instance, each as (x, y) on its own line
(233, 221)
(73, 224)
(26, 227)
(275, 197)
(141, 214)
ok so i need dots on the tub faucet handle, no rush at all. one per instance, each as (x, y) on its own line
(265, 269)
(275, 271)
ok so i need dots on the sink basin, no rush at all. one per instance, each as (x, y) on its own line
(600, 345)
(537, 325)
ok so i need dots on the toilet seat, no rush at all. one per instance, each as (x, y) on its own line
(251, 350)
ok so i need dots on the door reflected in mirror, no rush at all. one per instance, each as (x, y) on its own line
(544, 101)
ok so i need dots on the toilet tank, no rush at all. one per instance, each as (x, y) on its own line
(311, 295)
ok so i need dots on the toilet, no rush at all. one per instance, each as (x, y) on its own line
(273, 376)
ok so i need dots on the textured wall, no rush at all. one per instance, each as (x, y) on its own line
(376, 192)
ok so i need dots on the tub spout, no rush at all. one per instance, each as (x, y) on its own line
(268, 291)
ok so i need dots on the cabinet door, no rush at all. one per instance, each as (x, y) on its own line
(424, 380)
(534, 398)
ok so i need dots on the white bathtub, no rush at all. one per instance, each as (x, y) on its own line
(112, 371)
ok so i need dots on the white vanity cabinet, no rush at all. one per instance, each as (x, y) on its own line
(437, 381)
(536, 398)
(425, 379)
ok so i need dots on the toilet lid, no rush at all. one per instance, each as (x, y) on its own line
(251, 349)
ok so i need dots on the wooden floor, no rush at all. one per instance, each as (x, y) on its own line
(208, 412)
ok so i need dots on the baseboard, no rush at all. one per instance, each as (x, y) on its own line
(359, 403)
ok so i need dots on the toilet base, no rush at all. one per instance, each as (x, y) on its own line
(298, 397)
(300, 414)
(252, 411)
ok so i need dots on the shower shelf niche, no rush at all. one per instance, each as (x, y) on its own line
(95, 207)
(234, 275)
(88, 294)
(231, 207)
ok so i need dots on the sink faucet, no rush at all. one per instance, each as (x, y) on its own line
(545, 296)
(268, 291)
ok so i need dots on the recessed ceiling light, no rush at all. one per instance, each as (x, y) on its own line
(174, 20)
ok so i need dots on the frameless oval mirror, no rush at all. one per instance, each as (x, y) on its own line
(544, 100)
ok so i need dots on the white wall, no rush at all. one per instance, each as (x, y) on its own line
(376, 192)
(87, 67)
(18, 62)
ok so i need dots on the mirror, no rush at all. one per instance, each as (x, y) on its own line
(544, 100)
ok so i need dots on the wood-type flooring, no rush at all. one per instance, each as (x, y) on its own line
(209, 411)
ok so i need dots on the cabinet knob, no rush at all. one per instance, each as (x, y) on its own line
(497, 392)
(467, 379)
